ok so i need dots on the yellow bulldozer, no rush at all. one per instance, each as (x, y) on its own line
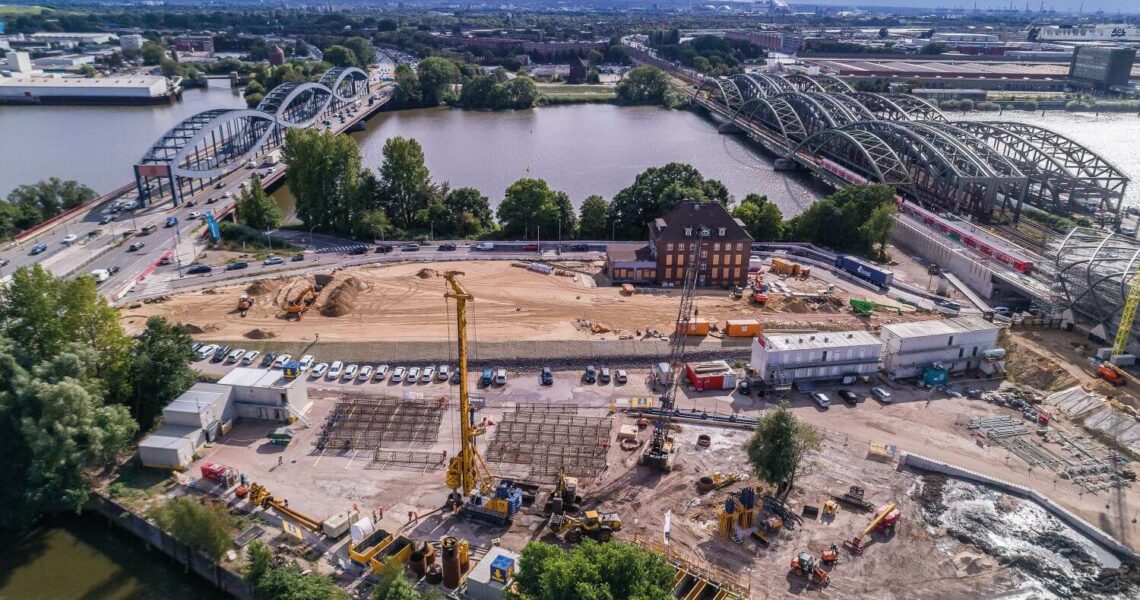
(596, 525)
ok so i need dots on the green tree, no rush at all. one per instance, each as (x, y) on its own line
(593, 222)
(761, 218)
(779, 448)
(324, 172)
(658, 190)
(362, 50)
(88, 71)
(54, 426)
(529, 205)
(286, 582)
(394, 583)
(878, 226)
(206, 528)
(470, 211)
(255, 208)
(152, 53)
(160, 369)
(643, 85)
(48, 198)
(10, 218)
(593, 571)
(405, 181)
(408, 91)
(340, 56)
(831, 221)
(517, 94)
(436, 75)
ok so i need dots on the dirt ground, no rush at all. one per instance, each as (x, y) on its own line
(404, 302)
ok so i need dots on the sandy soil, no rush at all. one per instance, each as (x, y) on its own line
(404, 302)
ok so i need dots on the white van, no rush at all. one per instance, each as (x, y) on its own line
(101, 275)
(485, 246)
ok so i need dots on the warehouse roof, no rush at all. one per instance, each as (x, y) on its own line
(935, 327)
(817, 341)
(199, 398)
(250, 377)
(124, 82)
(169, 436)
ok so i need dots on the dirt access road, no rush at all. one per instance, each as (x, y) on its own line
(404, 302)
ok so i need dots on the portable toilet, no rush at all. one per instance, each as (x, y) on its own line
(292, 370)
(934, 375)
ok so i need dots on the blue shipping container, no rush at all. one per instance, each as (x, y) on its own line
(865, 271)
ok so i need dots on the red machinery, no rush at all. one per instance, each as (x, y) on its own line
(884, 522)
(218, 473)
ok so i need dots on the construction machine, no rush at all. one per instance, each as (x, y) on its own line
(245, 303)
(884, 521)
(1109, 373)
(260, 496)
(600, 526)
(565, 497)
(865, 308)
(831, 555)
(805, 565)
(475, 494)
(296, 307)
(659, 452)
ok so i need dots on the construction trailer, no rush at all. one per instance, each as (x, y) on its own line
(742, 327)
(171, 447)
(266, 394)
(821, 356)
(957, 344)
(711, 375)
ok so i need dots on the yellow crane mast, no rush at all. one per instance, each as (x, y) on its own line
(1127, 316)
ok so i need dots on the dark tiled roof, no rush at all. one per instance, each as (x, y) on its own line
(712, 215)
(629, 253)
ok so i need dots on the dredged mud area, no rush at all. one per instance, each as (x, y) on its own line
(1025, 537)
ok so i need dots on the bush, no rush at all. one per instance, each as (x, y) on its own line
(205, 528)
(1030, 106)
(987, 106)
(966, 105)
(949, 104)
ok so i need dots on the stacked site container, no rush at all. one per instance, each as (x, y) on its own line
(816, 356)
(957, 344)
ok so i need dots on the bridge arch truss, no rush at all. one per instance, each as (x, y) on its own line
(214, 143)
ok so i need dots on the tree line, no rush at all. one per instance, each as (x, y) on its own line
(74, 389)
(31, 204)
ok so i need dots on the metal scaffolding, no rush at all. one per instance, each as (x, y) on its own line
(375, 423)
(544, 440)
(1095, 270)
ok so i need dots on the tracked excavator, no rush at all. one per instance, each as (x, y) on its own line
(296, 307)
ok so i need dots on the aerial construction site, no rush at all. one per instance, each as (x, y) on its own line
(444, 415)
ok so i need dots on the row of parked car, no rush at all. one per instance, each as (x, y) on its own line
(821, 400)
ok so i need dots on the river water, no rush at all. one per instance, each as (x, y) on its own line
(85, 558)
(96, 145)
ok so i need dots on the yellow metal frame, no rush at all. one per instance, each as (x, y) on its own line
(1127, 316)
(467, 470)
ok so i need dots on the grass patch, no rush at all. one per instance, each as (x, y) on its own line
(135, 484)
(584, 91)
(14, 9)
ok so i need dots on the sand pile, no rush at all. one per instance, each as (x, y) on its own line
(795, 305)
(263, 286)
(192, 329)
(342, 299)
(290, 291)
(426, 273)
(259, 334)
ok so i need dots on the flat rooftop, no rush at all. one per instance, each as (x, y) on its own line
(938, 327)
(817, 341)
(131, 82)
(250, 377)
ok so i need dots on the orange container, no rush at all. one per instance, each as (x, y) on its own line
(698, 326)
(742, 327)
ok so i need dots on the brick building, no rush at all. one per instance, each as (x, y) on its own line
(723, 253)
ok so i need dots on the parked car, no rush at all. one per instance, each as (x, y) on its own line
(381, 373)
(274, 260)
(547, 376)
(501, 377)
(318, 370)
(486, 378)
(220, 354)
(279, 362)
(365, 373)
(206, 351)
(428, 375)
(744, 388)
(455, 376)
(591, 375)
(350, 372)
(197, 269)
(447, 247)
(235, 356)
(136, 246)
(237, 266)
(413, 374)
(605, 376)
(881, 394)
(398, 374)
(268, 359)
(443, 373)
(821, 399)
(335, 370)
(620, 376)
(307, 361)
(849, 397)
(250, 357)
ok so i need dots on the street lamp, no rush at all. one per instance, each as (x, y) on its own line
(311, 234)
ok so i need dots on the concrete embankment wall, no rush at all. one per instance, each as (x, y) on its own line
(923, 463)
(926, 244)
(520, 354)
(221, 577)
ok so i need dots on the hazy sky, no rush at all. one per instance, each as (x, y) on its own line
(1110, 7)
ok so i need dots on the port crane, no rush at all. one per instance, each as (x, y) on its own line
(474, 492)
(659, 453)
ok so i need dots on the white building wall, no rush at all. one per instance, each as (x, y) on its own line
(906, 355)
(812, 363)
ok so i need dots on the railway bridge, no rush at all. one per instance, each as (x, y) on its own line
(980, 168)
(212, 144)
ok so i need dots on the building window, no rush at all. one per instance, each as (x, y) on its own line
(688, 232)
(961, 351)
(704, 253)
(736, 272)
(669, 247)
(721, 231)
(668, 259)
(680, 259)
(950, 342)
(739, 246)
(738, 259)
(716, 247)
(716, 273)
(716, 259)
(692, 246)
(668, 273)
(975, 352)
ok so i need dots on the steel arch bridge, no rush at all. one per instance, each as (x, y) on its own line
(213, 143)
(975, 167)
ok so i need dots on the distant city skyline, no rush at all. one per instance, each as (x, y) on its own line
(1109, 7)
